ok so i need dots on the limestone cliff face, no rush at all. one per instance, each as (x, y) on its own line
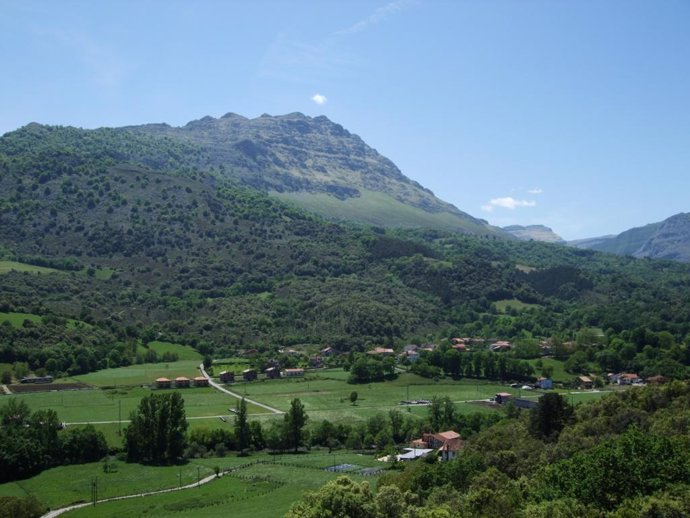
(534, 233)
(297, 154)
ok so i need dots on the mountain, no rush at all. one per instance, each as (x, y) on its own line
(318, 165)
(534, 232)
(668, 239)
(143, 235)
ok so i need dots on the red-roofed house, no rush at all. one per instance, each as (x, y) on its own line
(163, 383)
(448, 443)
(182, 382)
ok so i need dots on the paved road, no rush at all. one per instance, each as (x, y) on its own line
(62, 510)
(235, 394)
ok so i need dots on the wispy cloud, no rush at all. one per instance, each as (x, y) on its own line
(535, 191)
(301, 61)
(319, 99)
(376, 17)
(105, 65)
(507, 203)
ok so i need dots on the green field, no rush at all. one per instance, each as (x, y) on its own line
(13, 266)
(142, 374)
(67, 484)
(327, 395)
(279, 479)
(17, 319)
(378, 208)
(91, 406)
(183, 352)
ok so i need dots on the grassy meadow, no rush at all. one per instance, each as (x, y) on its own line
(279, 479)
(14, 266)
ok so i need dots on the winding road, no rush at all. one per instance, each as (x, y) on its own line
(62, 510)
(235, 394)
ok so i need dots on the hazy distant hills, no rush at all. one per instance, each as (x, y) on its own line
(534, 233)
(668, 239)
(320, 166)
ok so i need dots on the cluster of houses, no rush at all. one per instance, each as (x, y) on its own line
(181, 382)
(252, 374)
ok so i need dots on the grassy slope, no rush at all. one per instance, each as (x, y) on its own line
(378, 209)
(9, 266)
(183, 352)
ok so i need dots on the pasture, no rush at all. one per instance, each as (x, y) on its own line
(326, 395)
(183, 352)
(16, 320)
(141, 374)
(245, 492)
(14, 266)
(97, 406)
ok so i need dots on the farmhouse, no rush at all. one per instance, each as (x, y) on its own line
(249, 375)
(163, 383)
(200, 381)
(584, 382)
(501, 346)
(273, 373)
(328, 351)
(628, 378)
(182, 382)
(227, 377)
(544, 383)
(448, 443)
(293, 373)
(502, 397)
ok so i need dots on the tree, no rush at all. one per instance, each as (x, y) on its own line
(6, 377)
(339, 498)
(353, 397)
(295, 420)
(157, 429)
(549, 417)
(441, 413)
(242, 433)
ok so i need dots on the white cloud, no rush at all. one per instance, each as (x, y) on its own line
(507, 203)
(319, 99)
(377, 16)
(535, 191)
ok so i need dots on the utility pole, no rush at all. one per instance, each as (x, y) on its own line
(119, 417)
(198, 476)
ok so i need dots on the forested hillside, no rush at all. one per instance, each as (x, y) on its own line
(148, 239)
(623, 456)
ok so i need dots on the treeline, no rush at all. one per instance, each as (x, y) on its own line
(485, 365)
(33, 441)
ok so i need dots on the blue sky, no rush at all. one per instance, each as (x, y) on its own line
(573, 114)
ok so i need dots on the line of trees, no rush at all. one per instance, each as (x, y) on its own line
(33, 441)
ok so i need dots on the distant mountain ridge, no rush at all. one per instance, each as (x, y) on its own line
(320, 166)
(668, 239)
(534, 232)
